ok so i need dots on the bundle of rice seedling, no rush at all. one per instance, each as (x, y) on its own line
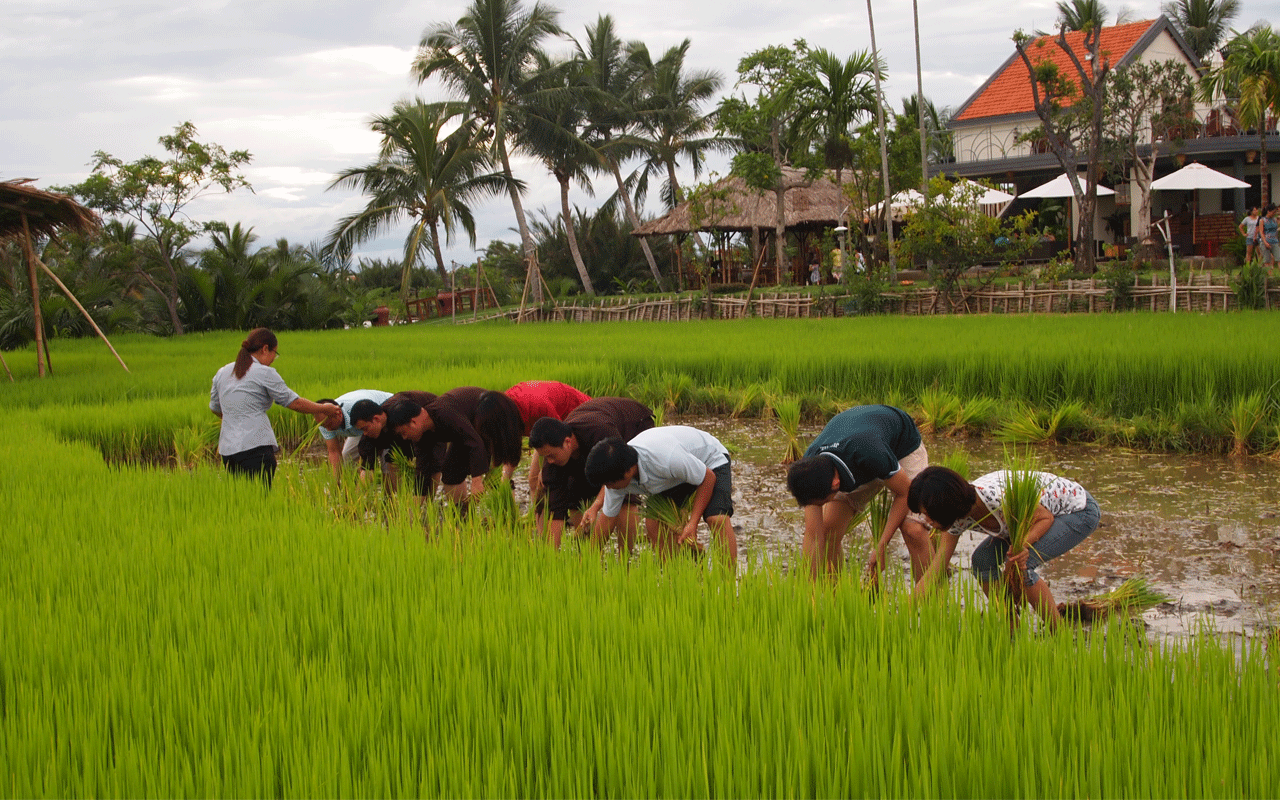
(788, 414)
(1021, 487)
(1130, 598)
(671, 516)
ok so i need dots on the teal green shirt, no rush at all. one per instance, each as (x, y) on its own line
(867, 442)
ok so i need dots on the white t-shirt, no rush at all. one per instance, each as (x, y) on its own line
(667, 457)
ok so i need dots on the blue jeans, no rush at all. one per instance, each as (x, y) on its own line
(1067, 531)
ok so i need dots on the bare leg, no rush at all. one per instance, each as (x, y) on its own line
(722, 533)
(916, 537)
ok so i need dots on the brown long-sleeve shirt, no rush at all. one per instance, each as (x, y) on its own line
(591, 423)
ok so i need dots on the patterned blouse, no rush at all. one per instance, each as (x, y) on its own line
(1058, 495)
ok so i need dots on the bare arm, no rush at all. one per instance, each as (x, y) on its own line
(701, 499)
(304, 406)
(334, 452)
(1041, 521)
(938, 567)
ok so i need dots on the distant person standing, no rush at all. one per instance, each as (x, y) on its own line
(242, 392)
(341, 436)
(860, 451)
(680, 463)
(563, 445)
(1249, 230)
(1269, 240)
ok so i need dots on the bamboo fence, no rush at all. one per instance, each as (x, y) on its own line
(1199, 294)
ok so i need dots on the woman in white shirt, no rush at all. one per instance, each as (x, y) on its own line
(242, 392)
(1065, 517)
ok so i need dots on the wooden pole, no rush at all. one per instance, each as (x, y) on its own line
(6, 367)
(42, 348)
(75, 300)
(475, 301)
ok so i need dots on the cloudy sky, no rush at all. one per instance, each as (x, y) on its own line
(295, 82)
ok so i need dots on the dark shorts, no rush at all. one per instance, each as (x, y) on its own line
(257, 462)
(721, 504)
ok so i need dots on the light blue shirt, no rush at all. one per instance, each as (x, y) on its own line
(667, 457)
(243, 404)
(345, 402)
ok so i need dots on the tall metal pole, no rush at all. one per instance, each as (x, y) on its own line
(884, 149)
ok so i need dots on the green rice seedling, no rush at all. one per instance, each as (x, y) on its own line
(939, 410)
(749, 399)
(1069, 421)
(676, 392)
(958, 462)
(1021, 487)
(671, 518)
(1204, 424)
(1130, 598)
(976, 415)
(195, 444)
(787, 412)
(1024, 425)
(1247, 415)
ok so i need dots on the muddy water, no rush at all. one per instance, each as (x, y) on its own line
(1204, 530)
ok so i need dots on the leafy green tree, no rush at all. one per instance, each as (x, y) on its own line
(1148, 104)
(770, 127)
(155, 193)
(612, 91)
(490, 59)
(1202, 23)
(837, 93)
(953, 234)
(1249, 78)
(1071, 109)
(422, 174)
(553, 131)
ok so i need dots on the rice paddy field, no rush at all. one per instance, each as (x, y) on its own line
(170, 631)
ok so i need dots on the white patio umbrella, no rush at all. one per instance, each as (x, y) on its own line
(902, 202)
(1193, 177)
(1197, 176)
(993, 202)
(1061, 187)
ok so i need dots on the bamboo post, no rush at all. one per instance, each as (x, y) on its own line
(6, 367)
(42, 348)
(76, 300)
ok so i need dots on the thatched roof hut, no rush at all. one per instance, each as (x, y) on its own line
(816, 205)
(46, 212)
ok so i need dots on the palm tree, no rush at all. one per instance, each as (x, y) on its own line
(1076, 15)
(838, 92)
(422, 174)
(1202, 23)
(671, 120)
(490, 58)
(938, 147)
(1250, 79)
(552, 132)
(612, 85)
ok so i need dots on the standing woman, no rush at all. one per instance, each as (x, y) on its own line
(1249, 230)
(1269, 237)
(242, 392)
(1064, 517)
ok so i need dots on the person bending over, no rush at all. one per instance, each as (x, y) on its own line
(563, 447)
(503, 419)
(676, 462)
(444, 441)
(1065, 516)
(860, 451)
(378, 440)
(341, 436)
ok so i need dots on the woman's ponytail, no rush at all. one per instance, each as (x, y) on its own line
(257, 339)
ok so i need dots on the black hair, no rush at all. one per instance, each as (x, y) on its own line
(809, 479)
(327, 401)
(497, 420)
(549, 431)
(400, 411)
(364, 411)
(257, 339)
(942, 495)
(609, 461)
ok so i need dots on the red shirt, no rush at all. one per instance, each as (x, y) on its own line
(538, 399)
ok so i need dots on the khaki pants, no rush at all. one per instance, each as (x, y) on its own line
(912, 464)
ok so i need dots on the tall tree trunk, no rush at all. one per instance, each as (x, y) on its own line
(924, 150)
(170, 293)
(675, 245)
(532, 274)
(573, 236)
(435, 251)
(635, 221)
(1265, 184)
(884, 149)
(42, 346)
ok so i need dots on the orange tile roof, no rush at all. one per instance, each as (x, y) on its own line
(1009, 91)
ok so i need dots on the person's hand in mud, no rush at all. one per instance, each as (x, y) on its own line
(874, 566)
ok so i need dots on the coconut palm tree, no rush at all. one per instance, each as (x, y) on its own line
(1249, 79)
(672, 123)
(421, 174)
(837, 92)
(1202, 23)
(612, 85)
(490, 58)
(1076, 15)
(552, 131)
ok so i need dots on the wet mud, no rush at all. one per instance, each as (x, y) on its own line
(1203, 530)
